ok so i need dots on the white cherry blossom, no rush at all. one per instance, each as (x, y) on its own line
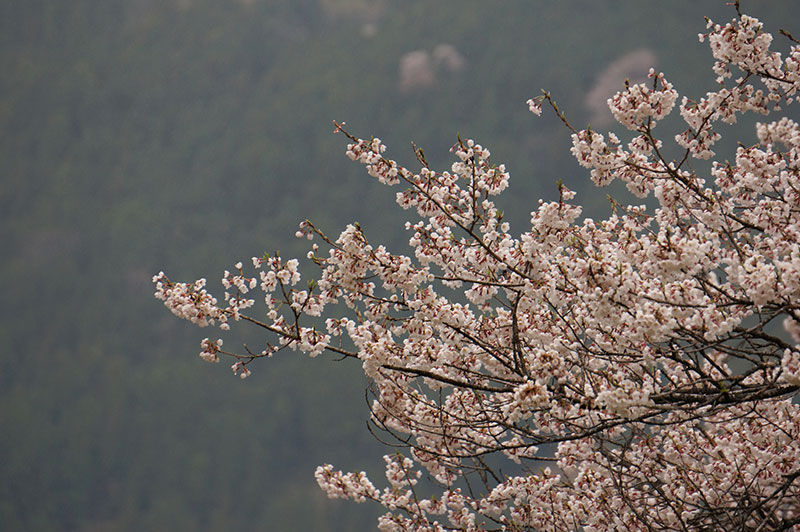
(635, 373)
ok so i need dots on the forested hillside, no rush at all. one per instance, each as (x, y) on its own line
(140, 135)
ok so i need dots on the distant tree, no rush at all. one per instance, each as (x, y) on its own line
(635, 373)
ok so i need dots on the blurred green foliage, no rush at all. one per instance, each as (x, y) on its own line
(140, 135)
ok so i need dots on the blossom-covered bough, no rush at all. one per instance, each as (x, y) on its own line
(634, 373)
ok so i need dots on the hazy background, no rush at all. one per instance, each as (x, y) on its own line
(185, 135)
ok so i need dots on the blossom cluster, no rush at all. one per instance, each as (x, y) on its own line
(651, 359)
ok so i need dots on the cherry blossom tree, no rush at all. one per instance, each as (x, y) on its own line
(634, 373)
